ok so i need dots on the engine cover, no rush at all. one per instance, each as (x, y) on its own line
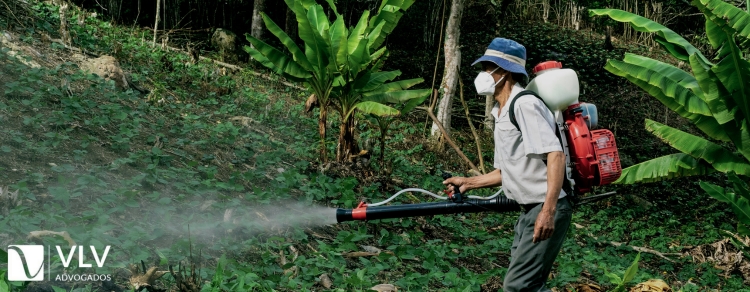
(594, 154)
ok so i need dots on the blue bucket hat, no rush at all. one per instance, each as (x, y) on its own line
(508, 54)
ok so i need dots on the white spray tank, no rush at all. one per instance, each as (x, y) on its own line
(557, 87)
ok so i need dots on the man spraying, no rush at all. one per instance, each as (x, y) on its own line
(529, 165)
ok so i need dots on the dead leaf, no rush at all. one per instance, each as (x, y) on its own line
(356, 254)
(39, 234)
(589, 288)
(325, 281)
(311, 103)
(384, 288)
(369, 248)
(653, 285)
(145, 280)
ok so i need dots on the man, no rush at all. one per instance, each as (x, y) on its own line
(529, 164)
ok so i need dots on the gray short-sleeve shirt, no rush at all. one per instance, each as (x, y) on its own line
(520, 155)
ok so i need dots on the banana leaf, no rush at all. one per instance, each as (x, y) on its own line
(663, 168)
(719, 157)
(723, 22)
(276, 60)
(297, 53)
(738, 19)
(396, 97)
(358, 33)
(377, 79)
(338, 40)
(712, 90)
(671, 41)
(642, 77)
(394, 86)
(739, 203)
(375, 108)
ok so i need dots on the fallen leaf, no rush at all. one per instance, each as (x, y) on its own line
(368, 248)
(355, 254)
(326, 281)
(653, 285)
(384, 288)
(589, 288)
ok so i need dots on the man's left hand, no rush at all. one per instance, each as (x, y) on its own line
(544, 226)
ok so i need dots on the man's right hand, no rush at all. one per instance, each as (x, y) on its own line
(457, 181)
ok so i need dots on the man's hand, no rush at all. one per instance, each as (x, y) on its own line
(457, 181)
(544, 225)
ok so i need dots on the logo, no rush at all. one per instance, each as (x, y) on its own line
(26, 263)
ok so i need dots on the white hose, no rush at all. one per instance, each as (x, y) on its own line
(431, 194)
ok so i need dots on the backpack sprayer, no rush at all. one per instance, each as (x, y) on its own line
(591, 156)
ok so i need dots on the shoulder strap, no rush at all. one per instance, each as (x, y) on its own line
(511, 110)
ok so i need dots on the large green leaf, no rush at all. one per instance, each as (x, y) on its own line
(276, 60)
(375, 108)
(305, 4)
(359, 58)
(738, 19)
(719, 157)
(377, 79)
(358, 33)
(739, 185)
(652, 82)
(671, 41)
(338, 42)
(386, 19)
(318, 19)
(674, 82)
(297, 53)
(732, 69)
(398, 96)
(394, 86)
(739, 203)
(333, 7)
(375, 33)
(712, 90)
(316, 47)
(663, 168)
(414, 102)
(389, 13)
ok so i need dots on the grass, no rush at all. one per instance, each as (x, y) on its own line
(208, 167)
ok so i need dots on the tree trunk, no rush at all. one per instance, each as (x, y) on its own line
(257, 26)
(347, 146)
(64, 31)
(489, 119)
(322, 132)
(452, 63)
(156, 25)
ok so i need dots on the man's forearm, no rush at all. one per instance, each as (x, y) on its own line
(491, 179)
(555, 176)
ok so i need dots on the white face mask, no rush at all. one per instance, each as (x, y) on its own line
(485, 84)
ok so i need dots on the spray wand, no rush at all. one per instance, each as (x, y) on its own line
(454, 203)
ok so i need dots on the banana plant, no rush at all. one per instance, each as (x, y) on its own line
(333, 57)
(715, 98)
(402, 102)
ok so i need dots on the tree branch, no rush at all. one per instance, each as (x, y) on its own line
(474, 171)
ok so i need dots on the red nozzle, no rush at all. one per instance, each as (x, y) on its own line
(360, 213)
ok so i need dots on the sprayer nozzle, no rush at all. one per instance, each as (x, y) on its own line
(343, 215)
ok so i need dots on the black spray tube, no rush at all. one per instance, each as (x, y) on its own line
(497, 204)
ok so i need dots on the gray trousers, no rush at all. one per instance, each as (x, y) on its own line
(530, 262)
